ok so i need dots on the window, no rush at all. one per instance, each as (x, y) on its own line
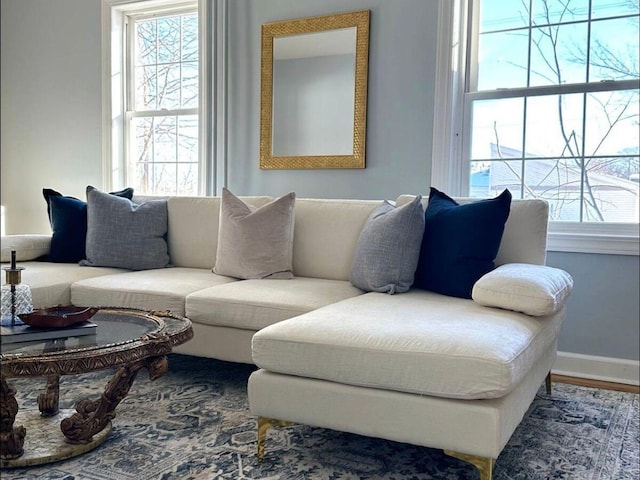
(153, 100)
(547, 106)
(162, 103)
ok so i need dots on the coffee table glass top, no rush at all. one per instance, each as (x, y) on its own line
(119, 333)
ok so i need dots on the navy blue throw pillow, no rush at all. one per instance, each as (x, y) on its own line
(68, 219)
(460, 242)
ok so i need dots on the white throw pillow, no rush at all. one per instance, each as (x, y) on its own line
(27, 247)
(255, 242)
(537, 290)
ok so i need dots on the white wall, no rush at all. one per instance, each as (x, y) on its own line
(51, 133)
(51, 105)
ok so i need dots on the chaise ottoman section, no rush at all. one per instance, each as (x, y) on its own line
(418, 342)
(255, 304)
(159, 289)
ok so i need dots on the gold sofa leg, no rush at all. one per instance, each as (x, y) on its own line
(547, 383)
(483, 464)
(265, 424)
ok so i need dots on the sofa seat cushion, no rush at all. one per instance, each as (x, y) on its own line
(158, 289)
(418, 342)
(51, 282)
(256, 303)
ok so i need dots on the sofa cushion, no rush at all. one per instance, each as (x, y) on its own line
(51, 282)
(418, 342)
(193, 229)
(536, 290)
(123, 234)
(460, 242)
(68, 219)
(27, 247)
(254, 304)
(255, 242)
(388, 248)
(326, 235)
(160, 289)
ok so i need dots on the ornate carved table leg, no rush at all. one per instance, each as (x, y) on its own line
(93, 415)
(48, 400)
(11, 439)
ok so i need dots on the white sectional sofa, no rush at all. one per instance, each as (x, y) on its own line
(416, 367)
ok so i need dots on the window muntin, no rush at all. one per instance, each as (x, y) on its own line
(163, 96)
(551, 105)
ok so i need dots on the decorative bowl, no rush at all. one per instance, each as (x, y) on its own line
(58, 317)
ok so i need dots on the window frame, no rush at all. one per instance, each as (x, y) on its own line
(451, 126)
(116, 95)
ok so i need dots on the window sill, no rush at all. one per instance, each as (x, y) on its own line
(593, 243)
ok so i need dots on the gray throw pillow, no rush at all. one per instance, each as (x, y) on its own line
(255, 242)
(388, 248)
(125, 235)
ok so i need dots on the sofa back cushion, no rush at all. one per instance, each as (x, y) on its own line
(326, 234)
(193, 229)
(525, 234)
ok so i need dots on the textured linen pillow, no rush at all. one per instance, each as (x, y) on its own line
(255, 242)
(460, 242)
(537, 290)
(68, 219)
(388, 248)
(125, 235)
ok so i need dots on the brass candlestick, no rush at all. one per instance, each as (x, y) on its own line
(13, 276)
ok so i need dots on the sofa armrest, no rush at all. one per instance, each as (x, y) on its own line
(27, 247)
(535, 290)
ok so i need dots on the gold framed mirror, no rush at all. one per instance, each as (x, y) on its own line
(313, 107)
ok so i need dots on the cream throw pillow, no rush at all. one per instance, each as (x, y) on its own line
(537, 290)
(255, 242)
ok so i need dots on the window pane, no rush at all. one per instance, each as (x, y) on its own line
(169, 40)
(146, 79)
(164, 179)
(614, 50)
(165, 139)
(554, 126)
(612, 123)
(145, 42)
(497, 129)
(188, 139)
(556, 56)
(169, 86)
(489, 179)
(547, 12)
(559, 182)
(609, 8)
(142, 154)
(190, 85)
(502, 60)
(611, 190)
(499, 15)
(190, 37)
(187, 179)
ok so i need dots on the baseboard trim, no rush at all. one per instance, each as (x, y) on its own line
(607, 369)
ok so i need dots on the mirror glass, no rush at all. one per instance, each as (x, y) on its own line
(314, 77)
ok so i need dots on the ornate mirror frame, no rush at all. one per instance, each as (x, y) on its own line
(273, 30)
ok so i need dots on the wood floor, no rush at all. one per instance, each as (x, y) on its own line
(585, 382)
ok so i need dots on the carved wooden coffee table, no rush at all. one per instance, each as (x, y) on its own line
(125, 339)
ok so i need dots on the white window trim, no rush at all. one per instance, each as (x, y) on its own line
(113, 81)
(447, 168)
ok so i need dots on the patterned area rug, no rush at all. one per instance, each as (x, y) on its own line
(194, 423)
